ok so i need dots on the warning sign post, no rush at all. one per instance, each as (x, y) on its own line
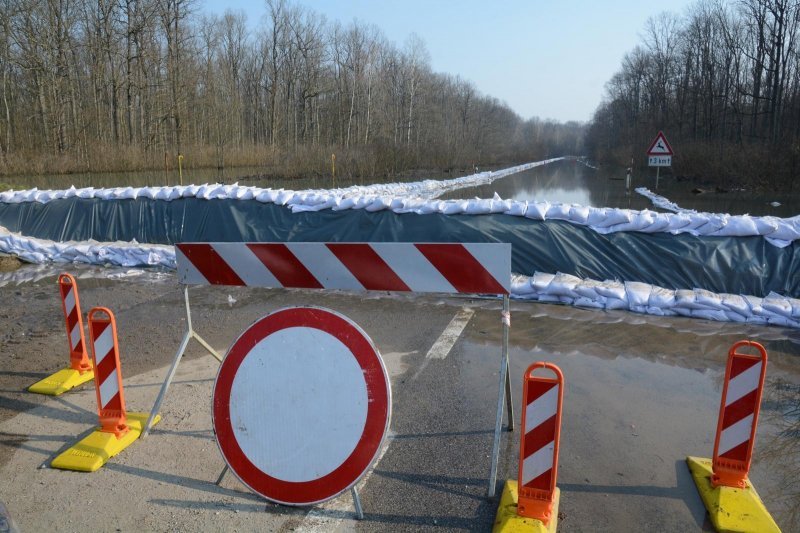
(659, 154)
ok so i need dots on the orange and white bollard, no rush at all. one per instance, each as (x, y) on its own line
(80, 368)
(729, 497)
(71, 305)
(538, 452)
(118, 428)
(105, 355)
(738, 415)
(531, 502)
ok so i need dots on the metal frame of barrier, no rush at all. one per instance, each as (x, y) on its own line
(472, 268)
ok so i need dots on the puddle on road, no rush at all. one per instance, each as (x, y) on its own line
(641, 393)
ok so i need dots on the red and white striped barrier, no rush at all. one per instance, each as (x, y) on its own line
(738, 415)
(108, 377)
(539, 439)
(71, 305)
(447, 268)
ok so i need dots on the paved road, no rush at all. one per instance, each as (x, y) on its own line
(641, 393)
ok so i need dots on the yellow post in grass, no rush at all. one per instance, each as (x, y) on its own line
(333, 170)
(180, 167)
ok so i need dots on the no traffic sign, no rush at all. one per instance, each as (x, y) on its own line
(301, 405)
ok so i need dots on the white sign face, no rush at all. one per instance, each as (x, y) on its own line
(660, 146)
(302, 403)
(660, 161)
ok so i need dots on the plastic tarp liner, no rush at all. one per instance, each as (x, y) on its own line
(737, 265)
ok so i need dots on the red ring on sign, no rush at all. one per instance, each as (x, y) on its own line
(378, 407)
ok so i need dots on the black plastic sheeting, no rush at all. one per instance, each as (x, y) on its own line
(737, 265)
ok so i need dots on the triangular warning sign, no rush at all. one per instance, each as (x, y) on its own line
(660, 146)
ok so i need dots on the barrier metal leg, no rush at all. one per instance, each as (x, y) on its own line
(167, 381)
(357, 503)
(221, 475)
(190, 333)
(509, 400)
(503, 392)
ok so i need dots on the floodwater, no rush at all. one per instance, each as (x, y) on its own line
(567, 182)
(255, 176)
(573, 182)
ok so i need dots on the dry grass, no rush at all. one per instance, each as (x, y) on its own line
(355, 164)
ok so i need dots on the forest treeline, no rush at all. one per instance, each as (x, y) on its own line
(125, 84)
(723, 82)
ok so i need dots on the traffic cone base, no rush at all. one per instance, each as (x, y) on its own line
(94, 450)
(508, 521)
(62, 381)
(730, 509)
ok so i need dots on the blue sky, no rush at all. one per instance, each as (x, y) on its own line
(549, 59)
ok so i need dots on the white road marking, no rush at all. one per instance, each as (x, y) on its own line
(441, 348)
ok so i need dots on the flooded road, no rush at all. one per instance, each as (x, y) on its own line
(568, 181)
(573, 182)
(641, 393)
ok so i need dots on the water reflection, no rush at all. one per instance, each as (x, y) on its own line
(567, 182)
(572, 182)
(256, 176)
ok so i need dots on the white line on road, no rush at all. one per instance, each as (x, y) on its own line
(450, 335)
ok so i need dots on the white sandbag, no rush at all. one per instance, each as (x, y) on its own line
(537, 210)
(616, 303)
(707, 298)
(563, 285)
(638, 294)
(540, 281)
(736, 304)
(777, 304)
(662, 298)
(710, 314)
(612, 289)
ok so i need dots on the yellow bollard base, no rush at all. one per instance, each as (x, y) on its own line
(61, 382)
(94, 450)
(507, 519)
(730, 509)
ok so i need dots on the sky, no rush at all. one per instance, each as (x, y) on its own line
(545, 58)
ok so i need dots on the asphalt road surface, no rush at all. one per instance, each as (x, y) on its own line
(641, 394)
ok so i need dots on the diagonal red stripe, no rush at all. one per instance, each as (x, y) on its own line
(96, 328)
(283, 264)
(114, 403)
(460, 268)
(72, 318)
(539, 437)
(741, 408)
(740, 364)
(210, 264)
(106, 367)
(536, 389)
(737, 453)
(541, 482)
(368, 267)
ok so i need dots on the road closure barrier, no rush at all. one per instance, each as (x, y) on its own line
(80, 368)
(483, 268)
(531, 502)
(731, 500)
(118, 428)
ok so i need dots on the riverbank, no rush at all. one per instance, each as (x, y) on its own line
(363, 164)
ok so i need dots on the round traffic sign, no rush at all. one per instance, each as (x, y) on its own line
(301, 405)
